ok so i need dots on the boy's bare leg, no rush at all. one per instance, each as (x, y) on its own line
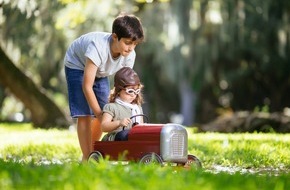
(84, 135)
(96, 130)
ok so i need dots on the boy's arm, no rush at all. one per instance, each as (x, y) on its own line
(89, 79)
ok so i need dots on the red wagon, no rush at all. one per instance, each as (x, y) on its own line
(147, 143)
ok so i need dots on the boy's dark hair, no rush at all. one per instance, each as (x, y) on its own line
(128, 26)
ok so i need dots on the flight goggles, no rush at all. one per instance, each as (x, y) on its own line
(132, 91)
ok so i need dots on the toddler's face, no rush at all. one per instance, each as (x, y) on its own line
(129, 93)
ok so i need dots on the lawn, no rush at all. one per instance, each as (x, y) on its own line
(49, 159)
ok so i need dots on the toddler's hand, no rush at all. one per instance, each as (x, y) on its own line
(125, 122)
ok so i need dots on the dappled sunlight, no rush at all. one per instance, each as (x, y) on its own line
(36, 137)
(38, 146)
(271, 171)
(241, 152)
(213, 15)
(27, 156)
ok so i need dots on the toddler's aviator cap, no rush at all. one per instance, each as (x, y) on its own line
(126, 77)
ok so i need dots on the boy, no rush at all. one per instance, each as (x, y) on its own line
(89, 61)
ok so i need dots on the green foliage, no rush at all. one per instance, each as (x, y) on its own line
(24, 145)
(264, 109)
(253, 151)
(223, 50)
(48, 159)
(108, 176)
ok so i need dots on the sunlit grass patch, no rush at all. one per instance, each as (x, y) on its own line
(38, 145)
(49, 159)
(245, 150)
(133, 176)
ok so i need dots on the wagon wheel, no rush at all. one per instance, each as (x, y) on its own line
(95, 156)
(139, 115)
(193, 161)
(151, 158)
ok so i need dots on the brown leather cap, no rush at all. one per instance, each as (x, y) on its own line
(126, 77)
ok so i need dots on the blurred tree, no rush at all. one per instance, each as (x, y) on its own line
(199, 56)
(161, 97)
(44, 112)
(231, 54)
(182, 58)
(262, 54)
(27, 36)
(169, 62)
(246, 55)
(38, 32)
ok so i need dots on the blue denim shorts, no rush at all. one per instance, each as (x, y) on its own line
(78, 104)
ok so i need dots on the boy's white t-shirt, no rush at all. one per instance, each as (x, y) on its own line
(96, 47)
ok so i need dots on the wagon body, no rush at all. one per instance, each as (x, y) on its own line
(167, 140)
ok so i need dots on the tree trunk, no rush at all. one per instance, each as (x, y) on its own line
(187, 94)
(188, 101)
(44, 112)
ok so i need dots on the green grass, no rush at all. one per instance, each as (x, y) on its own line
(245, 150)
(49, 159)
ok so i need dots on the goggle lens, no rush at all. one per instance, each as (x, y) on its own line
(132, 91)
